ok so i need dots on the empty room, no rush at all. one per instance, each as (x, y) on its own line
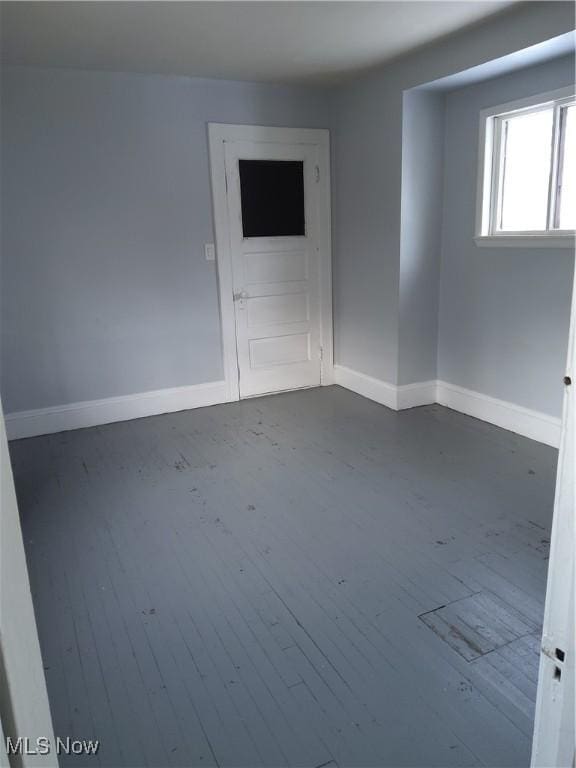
(287, 355)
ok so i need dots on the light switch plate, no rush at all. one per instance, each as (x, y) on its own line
(209, 251)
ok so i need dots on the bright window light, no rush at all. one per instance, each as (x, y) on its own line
(567, 179)
(526, 153)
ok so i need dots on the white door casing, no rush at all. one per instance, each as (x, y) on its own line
(554, 740)
(275, 292)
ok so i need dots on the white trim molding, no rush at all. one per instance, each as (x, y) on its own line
(515, 418)
(397, 398)
(414, 395)
(374, 389)
(90, 413)
(524, 421)
(526, 241)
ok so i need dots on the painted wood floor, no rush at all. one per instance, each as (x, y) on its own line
(307, 579)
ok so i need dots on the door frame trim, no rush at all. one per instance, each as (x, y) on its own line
(218, 135)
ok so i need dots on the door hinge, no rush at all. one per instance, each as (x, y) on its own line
(321, 353)
(317, 173)
(226, 181)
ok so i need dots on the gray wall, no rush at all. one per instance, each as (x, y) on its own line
(420, 234)
(367, 131)
(105, 209)
(504, 312)
(367, 138)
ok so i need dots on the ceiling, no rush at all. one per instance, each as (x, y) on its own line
(315, 42)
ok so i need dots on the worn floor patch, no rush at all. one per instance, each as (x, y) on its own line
(478, 624)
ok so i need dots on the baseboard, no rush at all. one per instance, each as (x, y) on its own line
(397, 398)
(413, 395)
(374, 389)
(90, 413)
(523, 421)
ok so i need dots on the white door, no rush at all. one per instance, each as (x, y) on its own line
(274, 214)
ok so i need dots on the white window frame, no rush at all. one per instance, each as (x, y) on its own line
(490, 165)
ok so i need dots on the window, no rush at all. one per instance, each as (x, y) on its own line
(527, 189)
(272, 198)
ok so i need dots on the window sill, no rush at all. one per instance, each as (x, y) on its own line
(525, 241)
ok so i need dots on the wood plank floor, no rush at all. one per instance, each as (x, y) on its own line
(284, 582)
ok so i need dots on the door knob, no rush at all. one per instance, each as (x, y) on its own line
(241, 295)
